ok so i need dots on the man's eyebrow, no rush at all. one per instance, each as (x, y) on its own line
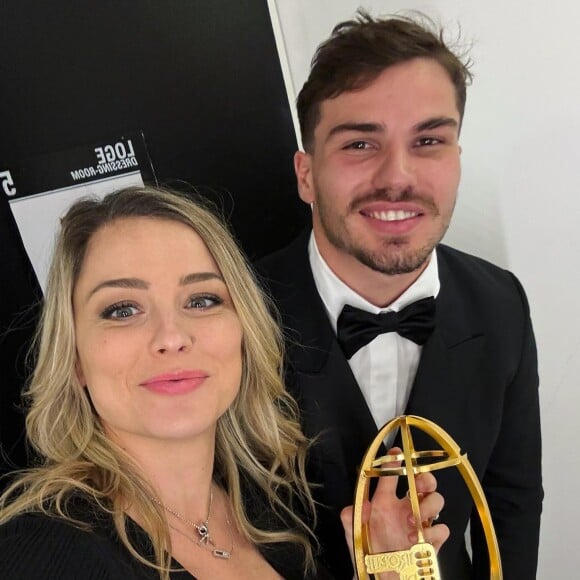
(200, 277)
(435, 123)
(358, 127)
(120, 283)
(429, 124)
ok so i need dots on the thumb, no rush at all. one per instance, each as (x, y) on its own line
(347, 519)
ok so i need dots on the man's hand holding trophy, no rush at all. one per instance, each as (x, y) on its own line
(383, 554)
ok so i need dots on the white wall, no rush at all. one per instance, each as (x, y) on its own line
(519, 203)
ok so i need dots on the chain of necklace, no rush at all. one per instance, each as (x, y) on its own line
(205, 540)
(216, 552)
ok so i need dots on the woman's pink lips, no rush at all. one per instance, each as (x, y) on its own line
(175, 383)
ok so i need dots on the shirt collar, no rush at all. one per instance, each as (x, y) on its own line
(335, 293)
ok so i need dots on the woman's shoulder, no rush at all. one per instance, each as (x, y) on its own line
(36, 546)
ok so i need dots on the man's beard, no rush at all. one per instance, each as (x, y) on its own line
(393, 258)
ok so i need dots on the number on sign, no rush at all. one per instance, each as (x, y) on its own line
(7, 183)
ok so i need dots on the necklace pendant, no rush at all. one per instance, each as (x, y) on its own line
(204, 537)
(223, 554)
(205, 540)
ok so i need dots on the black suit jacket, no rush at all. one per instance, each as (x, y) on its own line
(477, 378)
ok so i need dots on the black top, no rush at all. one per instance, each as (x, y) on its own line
(39, 547)
(35, 546)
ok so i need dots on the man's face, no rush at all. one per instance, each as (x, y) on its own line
(384, 169)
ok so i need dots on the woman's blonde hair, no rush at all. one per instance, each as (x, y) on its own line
(259, 444)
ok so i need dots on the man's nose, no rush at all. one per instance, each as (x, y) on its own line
(395, 171)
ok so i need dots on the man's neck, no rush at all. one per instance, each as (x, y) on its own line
(377, 288)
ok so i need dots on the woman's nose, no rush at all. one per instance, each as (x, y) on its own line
(172, 335)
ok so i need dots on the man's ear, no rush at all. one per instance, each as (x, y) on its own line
(303, 170)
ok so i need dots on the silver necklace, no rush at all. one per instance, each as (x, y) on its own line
(216, 552)
(202, 529)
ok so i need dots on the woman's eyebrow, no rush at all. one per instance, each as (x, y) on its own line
(120, 283)
(140, 284)
(200, 277)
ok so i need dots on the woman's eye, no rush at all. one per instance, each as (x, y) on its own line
(119, 311)
(203, 302)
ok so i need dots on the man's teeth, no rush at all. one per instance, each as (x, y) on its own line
(392, 215)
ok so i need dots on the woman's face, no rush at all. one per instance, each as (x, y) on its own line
(159, 343)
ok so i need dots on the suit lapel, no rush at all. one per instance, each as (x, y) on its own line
(451, 371)
(332, 405)
(307, 329)
(334, 409)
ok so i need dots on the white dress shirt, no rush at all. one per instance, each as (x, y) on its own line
(385, 368)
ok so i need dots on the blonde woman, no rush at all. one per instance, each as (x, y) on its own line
(170, 447)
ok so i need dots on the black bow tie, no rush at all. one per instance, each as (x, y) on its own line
(356, 328)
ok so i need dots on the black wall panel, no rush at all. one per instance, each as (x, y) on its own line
(201, 79)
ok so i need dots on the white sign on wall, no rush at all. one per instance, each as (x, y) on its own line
(41, 189)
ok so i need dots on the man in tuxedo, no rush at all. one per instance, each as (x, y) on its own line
(380, 117)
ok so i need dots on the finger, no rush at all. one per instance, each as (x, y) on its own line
(429, 508)
(387, 485)
(436, 536)
(431, 505)
(426, 483)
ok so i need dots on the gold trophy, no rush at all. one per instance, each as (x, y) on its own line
(419, 561)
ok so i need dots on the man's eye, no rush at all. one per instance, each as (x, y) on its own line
(428, 141)
(203, 302)
(358, 145)
(119, 311)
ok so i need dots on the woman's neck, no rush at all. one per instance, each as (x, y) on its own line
(179, 471)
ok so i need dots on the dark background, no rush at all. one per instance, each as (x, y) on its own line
(202, 80)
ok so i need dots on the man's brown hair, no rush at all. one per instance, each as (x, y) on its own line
(359, 50)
